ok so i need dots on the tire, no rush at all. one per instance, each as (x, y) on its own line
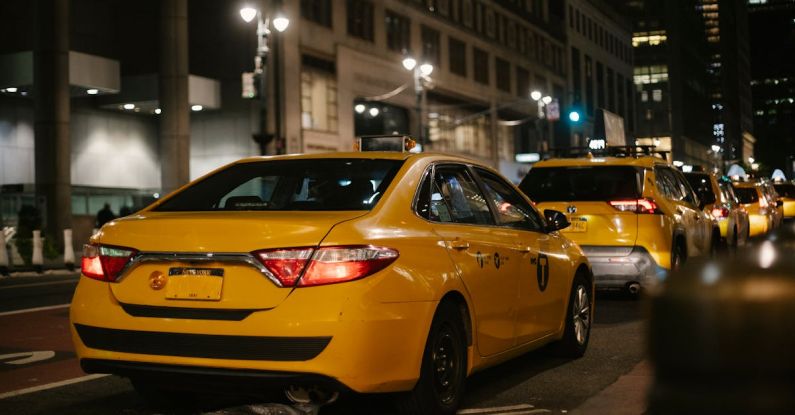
(579, 318)
(444, 367)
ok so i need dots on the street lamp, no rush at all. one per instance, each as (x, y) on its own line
(280, 23)
(542, 103)
(422, 75)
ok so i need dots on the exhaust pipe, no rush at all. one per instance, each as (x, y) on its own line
(633, 288)
(309, 399)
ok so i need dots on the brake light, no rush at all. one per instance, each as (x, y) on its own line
(304, 267)
(105, 263)
(635, 205)
(719, 213)
(286, 264)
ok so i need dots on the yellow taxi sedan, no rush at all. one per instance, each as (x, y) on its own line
(367, 271)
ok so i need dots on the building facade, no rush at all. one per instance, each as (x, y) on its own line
(154, 97)
(600, 66)
(674, 110)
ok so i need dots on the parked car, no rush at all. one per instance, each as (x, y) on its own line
(367, 271)
(718, 200)
(761, 215)
(635, 217)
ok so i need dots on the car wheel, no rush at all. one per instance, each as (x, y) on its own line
(444, 367)
(579, 317)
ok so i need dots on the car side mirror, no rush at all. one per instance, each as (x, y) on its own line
(555, 220)
(779, 203)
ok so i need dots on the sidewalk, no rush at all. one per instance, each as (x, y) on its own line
(626, 396)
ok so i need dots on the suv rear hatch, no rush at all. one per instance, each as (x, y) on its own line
(585, 194)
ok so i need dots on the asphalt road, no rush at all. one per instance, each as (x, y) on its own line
(51, 382)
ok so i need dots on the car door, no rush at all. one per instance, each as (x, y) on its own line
(683, 214)
(701, 223)
(542, 264)
(481, 252)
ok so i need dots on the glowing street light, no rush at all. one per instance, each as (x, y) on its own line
(426, 69)
(409, 63)
(248, 14)
(546, 100)
(535, 95)
(280, 23)
(422, 73)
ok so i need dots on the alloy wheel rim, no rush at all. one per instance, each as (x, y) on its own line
(581, 314)
(446, 368)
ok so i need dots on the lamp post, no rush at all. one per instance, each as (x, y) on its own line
(422, 74)
(264, 22)
(541, 102)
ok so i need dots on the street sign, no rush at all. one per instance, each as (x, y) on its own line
(553, 110)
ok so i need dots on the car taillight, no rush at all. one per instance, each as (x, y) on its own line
(104, 263)
(719, 213)
(304, 267)
(635, 205)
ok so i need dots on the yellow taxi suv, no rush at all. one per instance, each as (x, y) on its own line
(761, 215)
(368, 272)
(718, 199)
(775, 202)
(635, 217)
(786, 190)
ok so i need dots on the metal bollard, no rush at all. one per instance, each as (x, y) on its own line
(721, 337)
(68, 250)
(38, 256)
(3, 255)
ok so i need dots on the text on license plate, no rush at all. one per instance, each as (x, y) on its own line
(578, 224)
(203, 284)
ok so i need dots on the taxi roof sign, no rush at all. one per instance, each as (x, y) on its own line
(397, 142)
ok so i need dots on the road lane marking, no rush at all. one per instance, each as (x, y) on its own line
(31, 310)
(495, 409)
(37, 284)
(27, 357)
(52, 385)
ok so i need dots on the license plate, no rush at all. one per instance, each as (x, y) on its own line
(577, 225)
(201, 284)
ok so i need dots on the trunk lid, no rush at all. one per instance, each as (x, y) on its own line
(193, 281)
(596, 223)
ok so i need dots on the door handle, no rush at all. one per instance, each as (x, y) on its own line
(523, 249)
(459, 245)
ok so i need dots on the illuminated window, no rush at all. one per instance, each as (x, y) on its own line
(656, 95)
(651, 74)
(644, 96)
(318, 95)
(653, 38)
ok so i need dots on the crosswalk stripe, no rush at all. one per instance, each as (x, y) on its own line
(494, 410)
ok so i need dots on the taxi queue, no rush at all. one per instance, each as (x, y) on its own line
(384, 270)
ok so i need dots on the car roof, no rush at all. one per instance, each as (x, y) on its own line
(646, 161)
(382, 155)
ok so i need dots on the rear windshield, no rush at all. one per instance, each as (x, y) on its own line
(785, 190)
(589, 183)
(746, 194)
(292, 185)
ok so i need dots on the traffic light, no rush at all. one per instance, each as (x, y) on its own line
(574, 116)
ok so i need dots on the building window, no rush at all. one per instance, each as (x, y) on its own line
(650, 74)
(653, 38)
(360, 19)
(503, 72)
(458, 57)
(466, 13)
(430, 46)
(481, 72)
(611, 90)
(571, 16)
(318, 94)
(600, 85)
(656, 95)
(522, 82)
(622, 99)
(588, 85)
(398, 32)
(644, 96)
(576, 75)
(318, 11)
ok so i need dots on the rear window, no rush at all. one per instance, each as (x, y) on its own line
(589, 183)
(289, 185)
(746, 194)
(785, 190)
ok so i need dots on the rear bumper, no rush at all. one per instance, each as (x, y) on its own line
(191, 377)
(618, 266)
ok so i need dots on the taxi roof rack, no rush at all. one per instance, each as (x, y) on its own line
(609, 151)
(385, 142)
